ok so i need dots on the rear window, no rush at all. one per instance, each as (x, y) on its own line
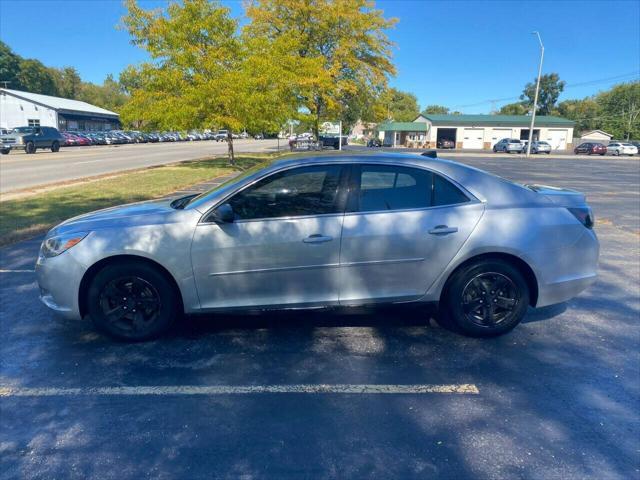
(446, 193)
(513, 140)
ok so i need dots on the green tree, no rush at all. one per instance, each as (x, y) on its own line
(68, 82)
(550, 89)
(435, 110)
(35, 77)
(513, 109)
(394, 104)
(585, 113)
(338, 50)
(9, 66)
(202, 72)
(619, 112)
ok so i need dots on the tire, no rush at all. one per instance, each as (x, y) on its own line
(5, 151)
(617, 153)
(55, 147)
(147, 295)
(30, 147)
(471, 285)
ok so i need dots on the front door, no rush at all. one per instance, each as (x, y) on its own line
(403, 226)
(282, 249)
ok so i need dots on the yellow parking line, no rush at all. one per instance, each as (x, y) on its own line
(464, 389)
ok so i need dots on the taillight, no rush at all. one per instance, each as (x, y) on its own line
(584, 215)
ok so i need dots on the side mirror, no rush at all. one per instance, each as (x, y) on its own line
(223, 214)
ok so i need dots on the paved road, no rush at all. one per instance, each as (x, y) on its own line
(18, 170)
(557, 398)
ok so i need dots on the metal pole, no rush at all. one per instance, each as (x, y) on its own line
(340, 135)
(535, 97)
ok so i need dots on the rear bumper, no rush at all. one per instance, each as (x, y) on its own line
(571, 271)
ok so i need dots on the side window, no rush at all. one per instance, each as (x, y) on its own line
(391, 188)
(296, 192)
(446, 193)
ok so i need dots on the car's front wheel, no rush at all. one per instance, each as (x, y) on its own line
(485, 298)
(30, 147)
(132, 301)
(5, 151)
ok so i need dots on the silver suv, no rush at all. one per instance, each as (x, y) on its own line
(31, 138)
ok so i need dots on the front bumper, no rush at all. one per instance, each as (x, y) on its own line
(59, 281)
(12, 146)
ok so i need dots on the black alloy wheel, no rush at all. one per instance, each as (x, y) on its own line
(132, 301)
(489, 299)
(484, 298)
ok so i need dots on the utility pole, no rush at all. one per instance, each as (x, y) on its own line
(340, 135)
(535, 97)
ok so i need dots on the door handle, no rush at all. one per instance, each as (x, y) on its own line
(317, 238)
(443, 230)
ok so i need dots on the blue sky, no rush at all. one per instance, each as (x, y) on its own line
(455, 53)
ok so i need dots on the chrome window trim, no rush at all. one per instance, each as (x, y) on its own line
(472, 198)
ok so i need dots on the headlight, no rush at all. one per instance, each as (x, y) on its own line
(55, 245)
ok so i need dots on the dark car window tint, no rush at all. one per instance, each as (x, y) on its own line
(296, 192)
(392, 188)
(446, 193)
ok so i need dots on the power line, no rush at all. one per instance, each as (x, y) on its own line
(580, 84)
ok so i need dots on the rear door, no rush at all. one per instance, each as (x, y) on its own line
(402, 227)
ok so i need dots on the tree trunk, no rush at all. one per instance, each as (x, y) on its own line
(232, 158)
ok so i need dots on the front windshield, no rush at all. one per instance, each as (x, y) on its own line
(203, 197)
(23, 130)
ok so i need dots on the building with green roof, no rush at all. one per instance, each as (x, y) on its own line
(475, 132)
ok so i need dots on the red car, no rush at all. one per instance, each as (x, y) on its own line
(69, 139)
(591, 148)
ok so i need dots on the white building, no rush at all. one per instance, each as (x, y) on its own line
(20, 109)
(596, 136)
(476, 132)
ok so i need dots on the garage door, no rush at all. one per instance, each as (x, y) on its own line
(557, 139)
(498, 134)
(472, 138)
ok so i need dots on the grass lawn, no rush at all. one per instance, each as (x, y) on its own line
(28, 216)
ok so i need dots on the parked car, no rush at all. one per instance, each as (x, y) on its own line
(221, 135)
(508, 145)
(590, 148)
(30, 139)
(636, 144)
(445, 143)
(332, 141)
(621, 148)
(405, 228)
(537, 146)
(259, 136)
(374, 143)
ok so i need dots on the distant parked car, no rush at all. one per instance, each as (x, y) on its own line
(636, 144)
(332, 141)
(258, 136)
(537, 147)
(445, 143)
(374, 143)
(221, 136)
(508, 145)
(590, 148)
(30, 139)
(621, 148)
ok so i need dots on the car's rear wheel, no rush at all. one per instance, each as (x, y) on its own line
(55, 146)
(30, 147)
(132, 301)
(485, 298)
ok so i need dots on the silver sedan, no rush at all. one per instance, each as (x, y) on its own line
(327, 231)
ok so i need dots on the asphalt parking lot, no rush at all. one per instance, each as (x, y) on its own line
(381, 393)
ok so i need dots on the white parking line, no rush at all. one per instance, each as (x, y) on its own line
(17, 271)
(465, 389)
